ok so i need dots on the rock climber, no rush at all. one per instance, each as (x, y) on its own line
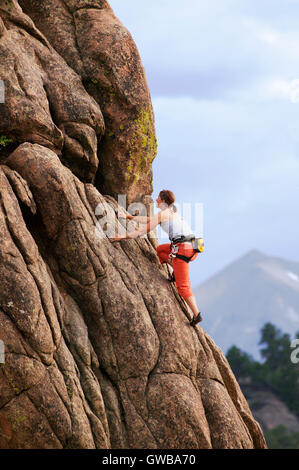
(178, 253)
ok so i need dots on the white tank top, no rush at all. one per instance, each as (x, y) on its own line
(175, 227)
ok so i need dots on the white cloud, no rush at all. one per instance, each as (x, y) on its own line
(270, 37)
(285, 89)
(274, 42)
(293, 276)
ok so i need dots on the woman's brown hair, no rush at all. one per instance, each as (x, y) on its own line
(168, 197)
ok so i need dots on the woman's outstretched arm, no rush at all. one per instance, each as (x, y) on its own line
(142, 219)
(150, 225)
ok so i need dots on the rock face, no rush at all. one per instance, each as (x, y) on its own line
(99, 352)
(100, 49)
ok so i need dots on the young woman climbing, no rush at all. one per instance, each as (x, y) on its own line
(179, 232)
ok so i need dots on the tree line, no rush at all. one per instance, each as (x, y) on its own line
(277, 372)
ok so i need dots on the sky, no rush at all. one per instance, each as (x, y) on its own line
(224, 81)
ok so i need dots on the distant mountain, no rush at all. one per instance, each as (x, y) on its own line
(246, 294)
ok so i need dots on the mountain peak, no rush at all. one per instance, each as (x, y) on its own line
(251, 291)
(254, 255)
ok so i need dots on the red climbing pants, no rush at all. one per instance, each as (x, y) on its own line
(180, 267)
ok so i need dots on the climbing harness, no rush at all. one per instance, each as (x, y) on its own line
(197, 245)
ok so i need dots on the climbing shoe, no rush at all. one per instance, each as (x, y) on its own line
(196, 319)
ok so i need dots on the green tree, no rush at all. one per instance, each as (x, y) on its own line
(240, 362)
(280, 438)
(277, 346)
(277, 370)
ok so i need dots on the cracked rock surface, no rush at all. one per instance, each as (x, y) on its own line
(99, 352)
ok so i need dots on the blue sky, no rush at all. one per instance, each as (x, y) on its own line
(224, 81)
